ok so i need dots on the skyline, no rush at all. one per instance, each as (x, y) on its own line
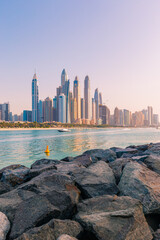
(109, 41)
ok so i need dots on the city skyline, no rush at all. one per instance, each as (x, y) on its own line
(104, 40)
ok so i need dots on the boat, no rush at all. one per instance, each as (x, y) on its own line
(64, 130)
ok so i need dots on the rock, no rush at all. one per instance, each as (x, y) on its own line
(153, 149)
(68, 167)
(117, 166)
(37, 171)
(58, 188)
(96, 180)
(153, 163)
(84, 160)
(128, 151)
(14, 174)
(32, 213)
(43, 163)
(66, 237)
(52, 230)
(99, 154)
(4, 226)
(10, 201)
(143, 184)
(67, 159)
(113, 218)
(4, 187)
(157, 235)
(140, 158)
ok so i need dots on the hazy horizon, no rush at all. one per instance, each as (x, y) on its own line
(116, 43)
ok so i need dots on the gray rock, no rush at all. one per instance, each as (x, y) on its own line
(52, 230)
(68, 167)
(66, 237)
(153, 149)
(118, 166)
(31, 213)
(143, 184)
(67, 159)
(153, 163)
(4, 187)
(113, 218)
(4, 226)
(107, 155)
(43, 163)
(128, 151)
(84, 160)
(58, 188)
(140, 158)
(10, 201)
(14, 174)
(96, 180)
(37, 171)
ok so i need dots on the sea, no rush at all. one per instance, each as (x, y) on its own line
(26, 146)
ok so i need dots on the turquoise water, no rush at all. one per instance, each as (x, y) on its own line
(25, 147)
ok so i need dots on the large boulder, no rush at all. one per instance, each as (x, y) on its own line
(143, 184)
(113, 218)
(4, 187)
(125, 152)
(4, 226)
(107, 155)
(52, 230)
(14, 174)
(10, 201)
(153, 163)
(96, 180)
(43, 163)
(58, 188)
(31, 213)
(118, 166)
(43, 168)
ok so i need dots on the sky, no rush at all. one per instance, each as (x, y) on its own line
(116, 43)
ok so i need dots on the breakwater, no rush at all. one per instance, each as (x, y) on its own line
(111, 194)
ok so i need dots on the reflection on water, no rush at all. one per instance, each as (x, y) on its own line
(24, 147)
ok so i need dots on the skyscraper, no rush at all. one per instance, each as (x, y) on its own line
(82, 108)
(150, 115)
(104, 114)
(96, 97)
(77, 96)
(93, 111)
(62, 108)
(63, 78)
(48, 110)
(35, 98)
(87, 97)
(100, 98)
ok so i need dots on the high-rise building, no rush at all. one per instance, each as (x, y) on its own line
(82, 108)
(100, 98)
(93, 111)
(137, 119)
(55, 109)
(47, 110)
(35, 98)
(126, 115)
(87, 98)
(150, 115)
(62, 108)
(96, 97)
(64, 78)
(40, 111)
(155, 119)
(77, 96)
(116, 117)
(104, 114)
(5, 109)
(27, 116)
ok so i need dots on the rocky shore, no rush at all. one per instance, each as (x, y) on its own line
(111, 194)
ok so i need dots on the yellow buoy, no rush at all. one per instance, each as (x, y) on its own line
(47, 150)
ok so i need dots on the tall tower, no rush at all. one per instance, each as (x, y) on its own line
(62, 108)
(35, 98)
(87, 99)
(96, 97)
(63, 77)
(77, 96)
(100, 98)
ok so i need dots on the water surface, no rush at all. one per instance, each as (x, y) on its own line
(26, 146)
